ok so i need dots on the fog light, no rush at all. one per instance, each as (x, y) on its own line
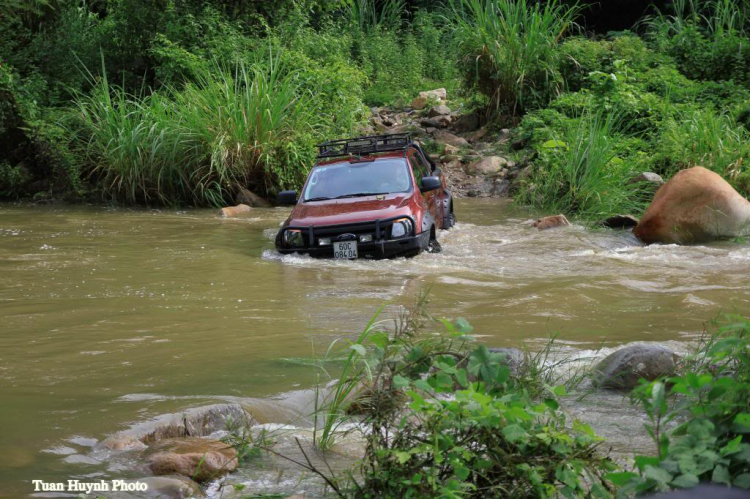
(324, 241)
(367, 238)
(293, 237)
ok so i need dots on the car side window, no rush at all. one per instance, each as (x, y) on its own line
(418, 166)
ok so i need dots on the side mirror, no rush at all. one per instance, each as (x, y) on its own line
(431, 183)
(287, 198)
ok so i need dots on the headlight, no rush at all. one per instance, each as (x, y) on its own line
(401, 227)
(293, 237)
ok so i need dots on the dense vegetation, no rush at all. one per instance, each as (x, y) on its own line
(184, 102)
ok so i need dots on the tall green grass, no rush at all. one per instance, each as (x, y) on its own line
(199, 145)
(509, 49)
(706, 138)
(581, 173)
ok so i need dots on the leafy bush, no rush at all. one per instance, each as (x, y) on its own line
(713, 443)
(491, 439)
(709, 39)
(510, 49)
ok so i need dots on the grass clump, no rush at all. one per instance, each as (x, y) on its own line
(509, 50)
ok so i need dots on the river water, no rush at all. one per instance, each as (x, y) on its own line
(112, 316)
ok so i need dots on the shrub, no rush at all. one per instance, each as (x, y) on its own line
(711, 443)
(510, 51)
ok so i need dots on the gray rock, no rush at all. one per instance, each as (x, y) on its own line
(649, 177)
(444, 137)
(439, 110)
(625, 367)
(488, 166)
(467, 123)
(619, 222)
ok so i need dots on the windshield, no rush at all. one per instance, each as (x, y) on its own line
(343, 180)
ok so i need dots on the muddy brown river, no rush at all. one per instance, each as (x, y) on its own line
(112, 316)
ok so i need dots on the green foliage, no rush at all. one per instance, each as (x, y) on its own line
(711, 402)
(709, 39)
(491, 439)
(510, 49)
(580, 171)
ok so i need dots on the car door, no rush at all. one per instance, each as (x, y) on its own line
(432, 199)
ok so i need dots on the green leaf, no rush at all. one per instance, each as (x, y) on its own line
(742, 481)
(360, 349)
(461, 472)
(400, 382)
(620, 478)
(742, 419)
(732, 447)
(379, 339)
(559, 390)
(642, 461)
(721, 475)
(686, 481)
(554, 144)
(660, 475)
(514, 433)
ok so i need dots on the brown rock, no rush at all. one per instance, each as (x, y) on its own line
(251, 199)
(476, 135)
(197, 458)
(467, 123)
(551, 222)
(439, 94)
(695, 206)
(419, 102)
(233, 211)
(444, 137)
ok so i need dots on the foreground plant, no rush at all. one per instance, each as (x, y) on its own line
(444, 418)
(711, 401)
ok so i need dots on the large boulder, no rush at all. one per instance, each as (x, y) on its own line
(625, 367)
(695, 206)
(201, 459)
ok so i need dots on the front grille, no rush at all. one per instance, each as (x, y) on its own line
(379, 229)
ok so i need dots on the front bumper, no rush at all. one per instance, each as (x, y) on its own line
(375, 250)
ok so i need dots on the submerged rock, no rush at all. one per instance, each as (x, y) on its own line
(233, 211)
(198, 458)
(194, 422)
(695, 206)
(625, 367)
(551, 222)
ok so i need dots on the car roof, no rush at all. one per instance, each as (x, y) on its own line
(364, 157)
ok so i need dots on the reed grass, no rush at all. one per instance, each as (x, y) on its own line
(509, 49)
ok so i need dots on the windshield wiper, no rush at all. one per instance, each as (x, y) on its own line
(361, 194)
(317, 199)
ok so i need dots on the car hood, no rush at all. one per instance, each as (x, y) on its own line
(350, 210)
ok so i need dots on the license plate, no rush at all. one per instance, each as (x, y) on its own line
(345, 249)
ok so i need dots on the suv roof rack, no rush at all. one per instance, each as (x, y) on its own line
(364, 145)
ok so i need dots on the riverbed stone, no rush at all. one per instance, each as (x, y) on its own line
(467, 123)
(551, 222)
(233, 211)
(246, 197)
(627, 366)
(439, 110)
(201, 459)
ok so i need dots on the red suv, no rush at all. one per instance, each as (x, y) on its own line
(368, 197)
